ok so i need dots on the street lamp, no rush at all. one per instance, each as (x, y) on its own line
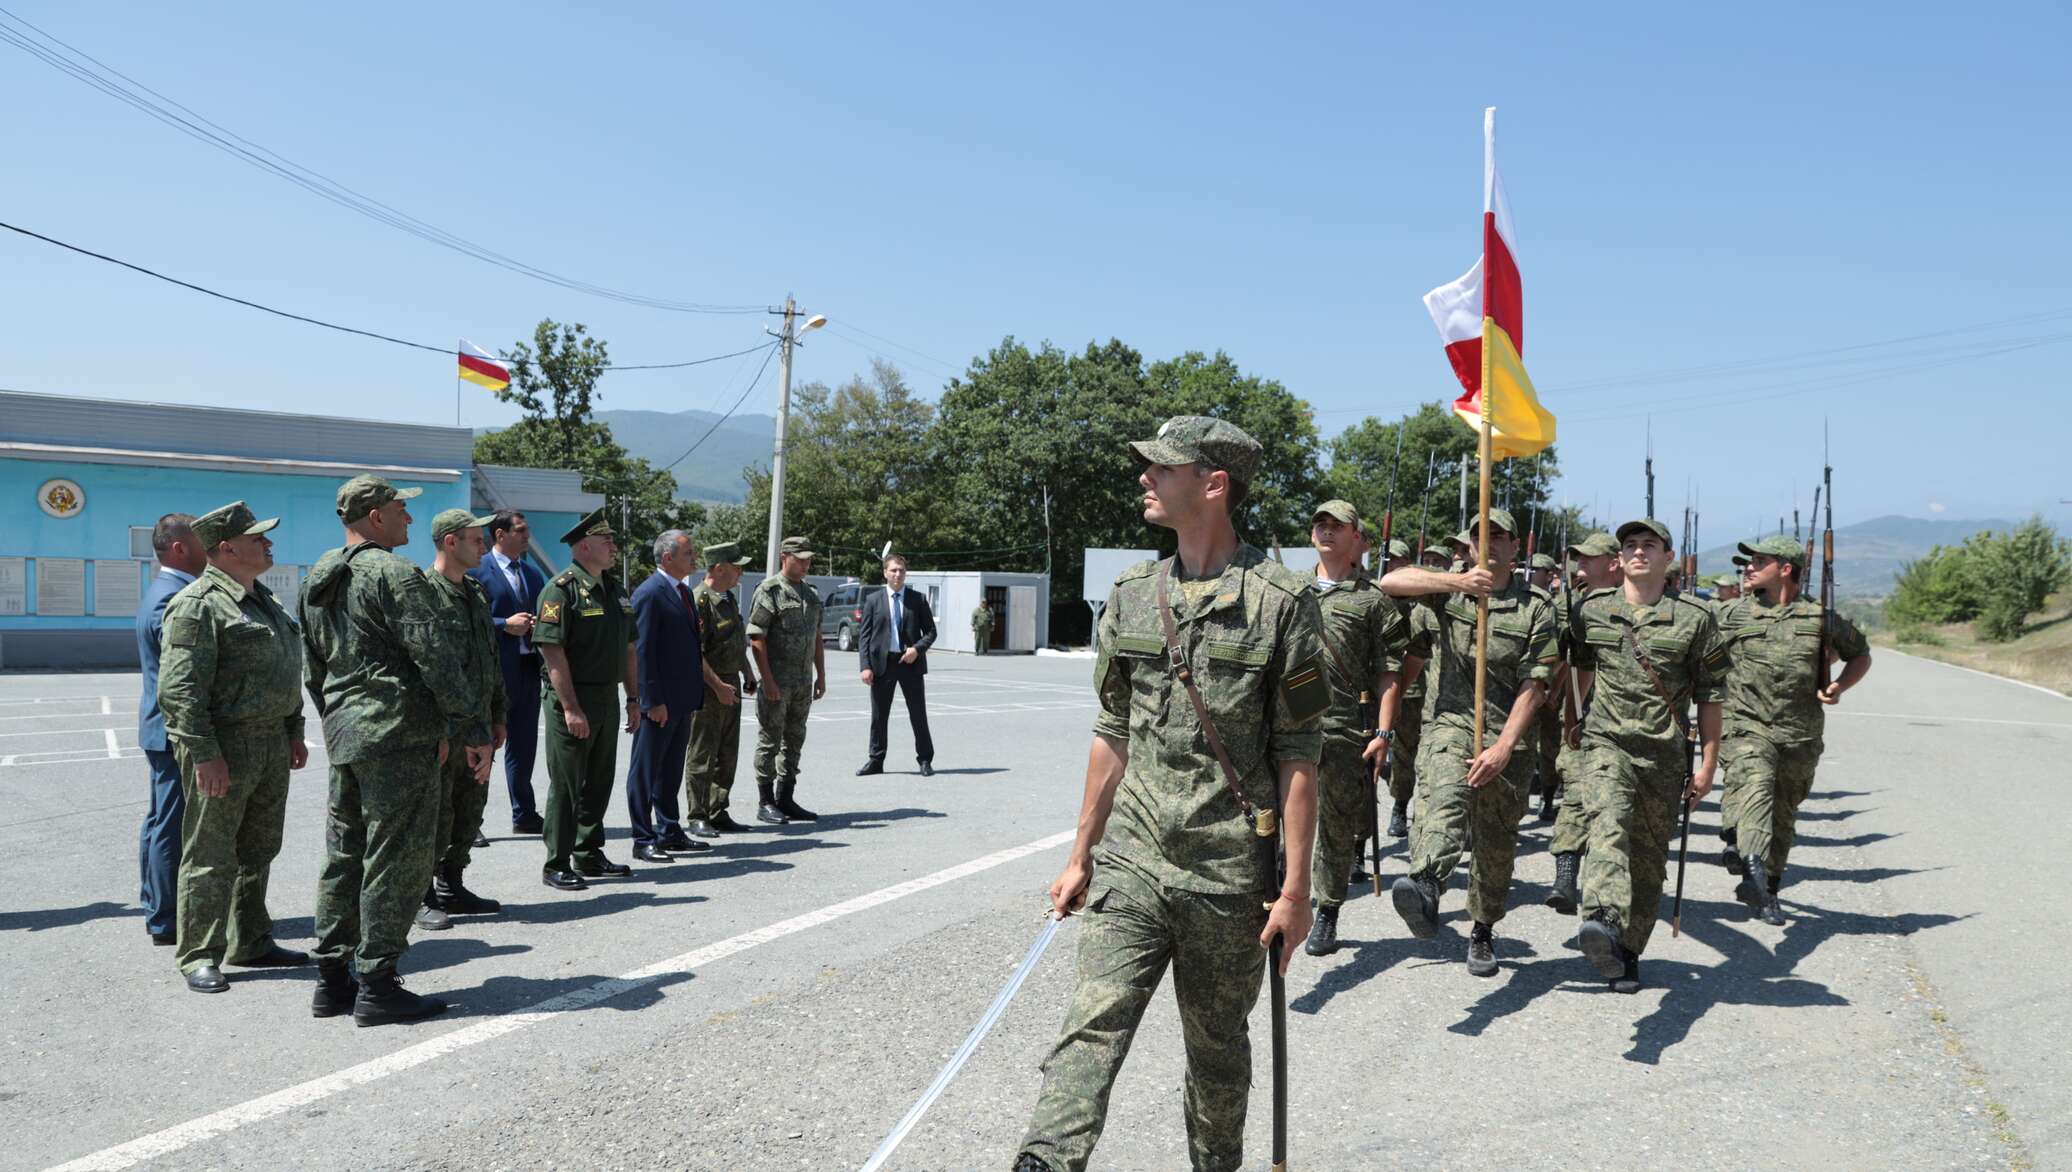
(786, 339)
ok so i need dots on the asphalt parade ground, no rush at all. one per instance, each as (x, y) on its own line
(779, 1002)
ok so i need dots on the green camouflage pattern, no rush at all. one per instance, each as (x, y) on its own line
(382, 819)
(1202, 439)
(1251, 638)
(227, 848)
(461, 802)
(780, 736)
(1135, 927)
(1771, 654)
(229, 656)
(715, 750)
(464, 608)
(1771, 781)
(1364, 637)
(376, 660)
(1403, 752)
(1449, 813)
(1631, 815)
(1343, 802)
(786, 615)
(1521, 650)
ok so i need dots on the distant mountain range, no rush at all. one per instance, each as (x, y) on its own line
(1869, 554)
(713, 471)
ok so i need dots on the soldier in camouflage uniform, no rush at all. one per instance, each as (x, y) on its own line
(1596, 568)
(708, 770)
(227, 682)
(1364, 634)
(784, 631)
(981, 628)
(1546, 726)
(396, 703)
(1633, 645)
(1409, 724)
(1774, 717)
(1465, 793)
(1181, 874)
(464, 605)
(585, 635)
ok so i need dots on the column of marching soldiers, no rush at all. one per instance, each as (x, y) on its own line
(403, 667)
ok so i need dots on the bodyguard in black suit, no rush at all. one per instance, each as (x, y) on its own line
(898, 629)
(514, 586)
(673, 674)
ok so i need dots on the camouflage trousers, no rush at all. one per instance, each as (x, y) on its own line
(1447, 809)
(1724, 784)
(1633, 798)
(1403, 751)
(580, 776)
(1344, 813)
(1133, 929)
(461, 802)
(1545, 739)
(1770, 782)
(378, 836)
(708, 769)
(227, 847)
(780, 737)
(1572, 824)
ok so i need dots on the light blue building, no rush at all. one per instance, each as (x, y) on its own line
(82, 482)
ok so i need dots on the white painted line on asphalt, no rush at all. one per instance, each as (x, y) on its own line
(52, 700)
(1936, 719)
(2053, 693)
(115, 750)
(184, 1135)
(105, 709)
(55, 732)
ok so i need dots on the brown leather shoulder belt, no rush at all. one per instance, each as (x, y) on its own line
(1264, 822)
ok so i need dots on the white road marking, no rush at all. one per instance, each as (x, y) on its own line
(184, 1135)
(105, 709)
(56, 732)
(2051, 692)
(1937, 719)
(114, 750)
(52, 700)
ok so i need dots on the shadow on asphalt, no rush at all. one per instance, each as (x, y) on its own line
(599, 900)
(44, 919)
(499, 995)
(1357, 963)
(967, 772)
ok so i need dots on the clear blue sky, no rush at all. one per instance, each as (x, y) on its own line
(1692, 187)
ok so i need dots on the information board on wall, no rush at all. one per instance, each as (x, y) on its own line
(284, 581)
(14, 585)
(118, 587)
(61, 586)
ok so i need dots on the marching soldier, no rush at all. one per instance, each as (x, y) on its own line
(1727, 587)
(1546, 725)
(784, 631)
(1364, 634)
(716, 727)
(1596, 568)
(585, 633)
(228, 684)
(396, 704)
(1211, 687)
(1465, 793)
(464, 606)
(1642, 656)
(981, 629)
(1543, 571)
(1409, 711)
(1774, 717)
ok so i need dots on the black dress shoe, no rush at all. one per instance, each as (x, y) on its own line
(275, 957)
(702, 828)
(724, 823)
(768, 812)
(208, 979)
(481, 840)
(163, 939)
(678, 844)
(528, 824)
(645, 853)
(563, 880)
(870, 767)
(604, 866)
(927, 769)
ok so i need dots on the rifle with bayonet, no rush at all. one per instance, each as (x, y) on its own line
(1378, 771)
(1823, 671)
(1424, 503)
(1690, 731)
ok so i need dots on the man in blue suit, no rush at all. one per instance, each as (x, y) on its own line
(180, 561)
(673, 677)
(514, 586)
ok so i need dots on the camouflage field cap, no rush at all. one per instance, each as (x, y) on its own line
(1463, 539)
(1727, 581)
(593, 525)
(1541, 561)
(455, 520)
(1649, 525)
(798, 547)
(1201, 439)
(1399, 548)
(1595, 545)
(726, 553)
(363, 494)
(1776, 546)
(232, 520)
(1499, 518)
(1341, 511)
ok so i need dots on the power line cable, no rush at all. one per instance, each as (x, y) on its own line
(752, 384)
(87, 69)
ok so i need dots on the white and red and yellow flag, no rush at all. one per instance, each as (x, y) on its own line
(1481, 316)
(479, 368)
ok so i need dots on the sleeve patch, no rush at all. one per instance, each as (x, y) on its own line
(550, 611)
(1307, 693)
(182, 630)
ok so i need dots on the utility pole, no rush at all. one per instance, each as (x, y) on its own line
(626, 541)
(787, 338)
(1046, 531)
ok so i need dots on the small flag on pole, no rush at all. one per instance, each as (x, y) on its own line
(479, 368)
(1481, 318)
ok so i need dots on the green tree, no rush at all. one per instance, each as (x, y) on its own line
(1277, 508)
(1435, 439)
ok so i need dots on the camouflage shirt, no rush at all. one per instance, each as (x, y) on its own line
(720, 633)
(231, 656)
(465, 607)
(786, 615)
(1682, 642)
(1521, 650)
(1364, 635)
(1252, 640)
(374, 660)
(1771, 654)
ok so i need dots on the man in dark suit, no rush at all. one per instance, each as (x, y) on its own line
(514, 586)
(898, 629)
(673, 679)
(180, 561)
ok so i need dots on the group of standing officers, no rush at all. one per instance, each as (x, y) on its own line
(419, 678)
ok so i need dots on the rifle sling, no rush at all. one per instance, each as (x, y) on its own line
(1176, 661)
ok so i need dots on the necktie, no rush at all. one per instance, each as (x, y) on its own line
(896, 645)
(684, 592)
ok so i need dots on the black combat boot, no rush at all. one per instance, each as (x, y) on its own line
(1730, 858)
(791, 809)
(383, 1000)
(1399, 820)
(1771, 912)
(336, 989)
(1755, 883)
(1359, 873)
(1417, 901)
(1628, 980)
(766, 809)
(1323, 932)
(1482, 950)
(455, 897)
(1026, 1162)
(1547, 805)
(432, 916)
(1600, 943)
(1563, 898)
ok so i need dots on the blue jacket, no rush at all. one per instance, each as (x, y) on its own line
(505, 602)
(150, 619)
(666, 648)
